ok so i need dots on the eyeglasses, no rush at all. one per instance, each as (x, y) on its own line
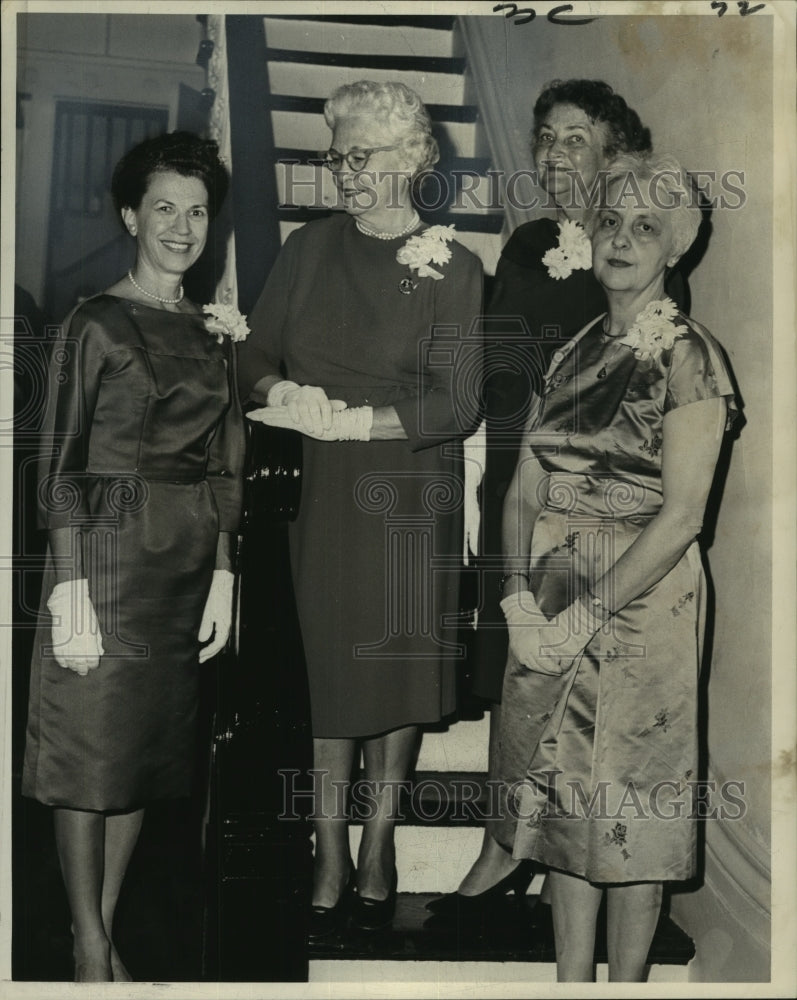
(356, 158)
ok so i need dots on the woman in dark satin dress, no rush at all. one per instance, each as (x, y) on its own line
(141, 496)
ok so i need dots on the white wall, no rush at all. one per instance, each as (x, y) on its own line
(703, 85)
(124, 59)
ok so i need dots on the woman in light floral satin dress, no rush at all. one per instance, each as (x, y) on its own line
(605, 589)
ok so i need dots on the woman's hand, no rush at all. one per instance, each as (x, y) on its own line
(77, 643)
(547, 647)
(524, 621)
(346, 424)
(217, 616)
(474, 451)
(308, 406)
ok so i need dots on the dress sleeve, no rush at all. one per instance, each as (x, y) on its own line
(449, 405)
(262, 353)
(226, 453)
(74, 375)
(699, 371)
(511, 356)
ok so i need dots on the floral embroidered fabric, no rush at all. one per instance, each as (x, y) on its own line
(599, 765)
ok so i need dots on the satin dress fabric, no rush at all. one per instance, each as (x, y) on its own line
(598, 766)
(144, 459)
(376, 546)
(529, 316)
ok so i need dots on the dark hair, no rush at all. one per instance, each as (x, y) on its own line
(181, 152)
(599, 102)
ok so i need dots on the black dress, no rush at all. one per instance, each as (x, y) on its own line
(376, 547)
(529, 315)
(146, 462)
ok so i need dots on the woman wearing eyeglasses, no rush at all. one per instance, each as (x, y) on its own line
(341, 350)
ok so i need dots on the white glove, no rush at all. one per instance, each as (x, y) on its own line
(308, 406)
(276, 394)
(217, 616)
(77, 643)
(475, 455)
(547, 647)
(346, 424)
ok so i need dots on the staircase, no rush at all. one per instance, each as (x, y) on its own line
(308, 56)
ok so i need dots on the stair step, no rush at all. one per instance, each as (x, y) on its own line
(430, 858)
(515, 932)
(313, 35)
(393, 63)
(461, 746)
(459, 979)
(440, 23)
(301, 80)
(315, 105)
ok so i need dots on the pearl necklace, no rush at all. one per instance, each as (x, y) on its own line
(158, 298)
(367, 230)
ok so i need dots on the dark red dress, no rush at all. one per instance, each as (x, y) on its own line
(376, 547)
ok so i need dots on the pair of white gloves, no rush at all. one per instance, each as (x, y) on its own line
(308, 409)
(548, 647)
(77, 642)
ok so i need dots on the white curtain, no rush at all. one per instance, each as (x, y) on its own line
(497, 120)
(219, 129)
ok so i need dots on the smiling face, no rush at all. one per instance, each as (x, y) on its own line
(170, 224)
(384, 182)
(632, 245)
(566, 143)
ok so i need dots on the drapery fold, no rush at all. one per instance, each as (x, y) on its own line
(219, 129)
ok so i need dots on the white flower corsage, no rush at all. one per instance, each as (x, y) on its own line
(654, 330)
(427, 248)
(574, 252)
(225, 321)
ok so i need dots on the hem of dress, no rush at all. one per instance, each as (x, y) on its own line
(60, 802)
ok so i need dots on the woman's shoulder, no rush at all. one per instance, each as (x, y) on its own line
(530, 241)
(462, 254)
(695, 334)
(327, 228)
(95, 314)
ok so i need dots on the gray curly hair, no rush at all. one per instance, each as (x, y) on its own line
(397, 108)
(669, 187)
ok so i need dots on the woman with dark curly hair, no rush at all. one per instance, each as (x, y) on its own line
(140, 495)
(544, 291)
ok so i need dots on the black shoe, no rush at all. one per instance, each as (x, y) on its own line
(455, 905)
(327, 920)
(372, 914)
